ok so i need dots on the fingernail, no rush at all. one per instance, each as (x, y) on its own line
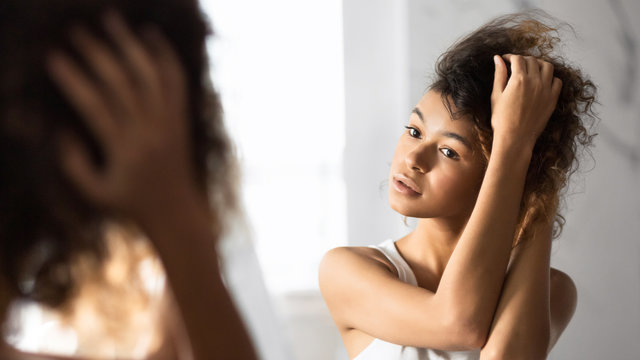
(496, 60)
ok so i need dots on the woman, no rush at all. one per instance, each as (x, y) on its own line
(482, 163)
(112, 151)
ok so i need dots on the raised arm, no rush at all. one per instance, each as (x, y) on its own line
(474, 276)
(138, 111)
(458, 315)
(536, 304)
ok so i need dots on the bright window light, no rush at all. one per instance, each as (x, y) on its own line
(278, 66)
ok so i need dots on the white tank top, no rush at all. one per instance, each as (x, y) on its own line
(382, 350)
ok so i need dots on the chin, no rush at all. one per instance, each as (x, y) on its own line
(404, 209)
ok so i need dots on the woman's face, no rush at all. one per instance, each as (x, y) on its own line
(436, 172)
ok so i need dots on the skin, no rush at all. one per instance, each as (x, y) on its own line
(473, 291)
(138, 110)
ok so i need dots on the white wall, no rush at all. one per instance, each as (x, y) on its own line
(376, 103)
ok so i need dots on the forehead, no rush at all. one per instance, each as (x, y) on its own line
(435, 113)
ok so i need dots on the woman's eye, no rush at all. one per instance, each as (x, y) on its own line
(449, 153)
(413, 132)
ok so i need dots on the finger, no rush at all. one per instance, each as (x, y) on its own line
(108, 69)
(170, 68)
(547, 73)
(77, 165)
(533, 66)
(84, 97)
(500, 75)
(165, 54)
(136, 56)
(518, 64)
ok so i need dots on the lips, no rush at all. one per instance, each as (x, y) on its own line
(405, 185)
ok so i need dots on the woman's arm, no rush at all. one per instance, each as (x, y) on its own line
(137, 108)
(535, 306)
(458, 315)
(520, 329)
(520, 111)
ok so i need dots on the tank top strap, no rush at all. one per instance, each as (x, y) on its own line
(389, 250)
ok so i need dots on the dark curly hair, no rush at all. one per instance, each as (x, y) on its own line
(44, 222)
(464, 78)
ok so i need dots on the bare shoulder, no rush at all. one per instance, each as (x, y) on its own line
(564, 295)
(353, 258)
(344, 274)
(563, 301)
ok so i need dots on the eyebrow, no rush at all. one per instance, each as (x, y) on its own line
(448, 134)
(417, 112)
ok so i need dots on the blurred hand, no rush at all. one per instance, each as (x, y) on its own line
(136, 105)
(522, 106)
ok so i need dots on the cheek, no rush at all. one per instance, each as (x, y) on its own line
(455, 187)
(447, 185)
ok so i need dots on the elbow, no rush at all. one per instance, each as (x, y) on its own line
(467, 334)
(475, 340)
(474, 336)
(473, 326)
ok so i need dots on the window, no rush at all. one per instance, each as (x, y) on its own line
(278, 66)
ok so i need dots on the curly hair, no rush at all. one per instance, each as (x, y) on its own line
(464, 78)
(45, 223)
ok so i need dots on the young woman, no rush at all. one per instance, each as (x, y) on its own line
(485, 155)
(112, 151)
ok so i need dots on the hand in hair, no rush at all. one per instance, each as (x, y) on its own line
(522, 104)
(135, 101)
(137, 109)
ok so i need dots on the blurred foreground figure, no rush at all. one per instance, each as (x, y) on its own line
(114, 171)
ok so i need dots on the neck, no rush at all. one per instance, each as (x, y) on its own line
(432, 242)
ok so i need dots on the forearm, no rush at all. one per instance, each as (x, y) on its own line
(521, 326)
(475, 273)
(212, 323)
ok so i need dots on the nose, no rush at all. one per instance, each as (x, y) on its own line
(418, 158)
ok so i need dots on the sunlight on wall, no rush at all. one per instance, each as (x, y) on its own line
(279, 68)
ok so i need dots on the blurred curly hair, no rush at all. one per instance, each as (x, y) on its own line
(45, 223)
(464, 78)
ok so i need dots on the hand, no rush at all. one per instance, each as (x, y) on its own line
(137, 109)
(521, 106)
